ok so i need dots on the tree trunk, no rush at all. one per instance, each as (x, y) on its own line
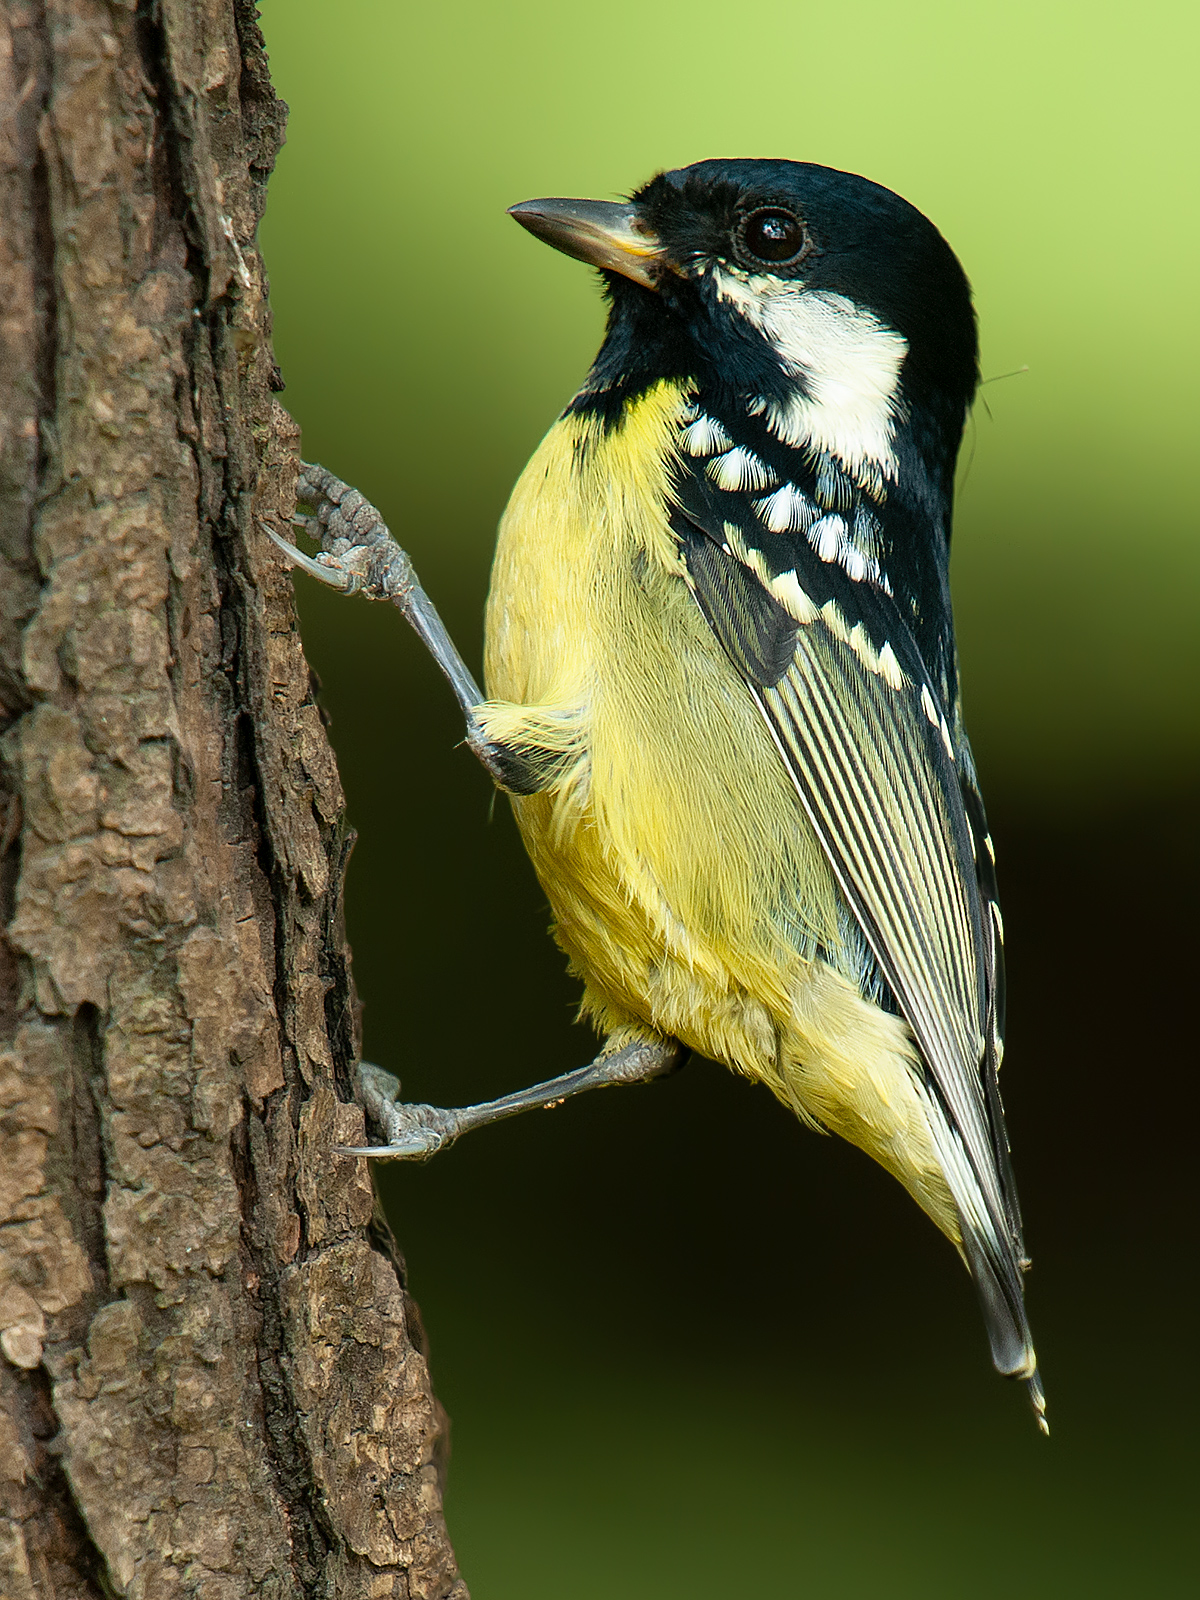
(212, 1381)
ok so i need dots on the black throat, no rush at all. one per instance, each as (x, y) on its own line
(650, 338)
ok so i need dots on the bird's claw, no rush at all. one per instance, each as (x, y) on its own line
(358, 554)
(410, 1132)
(325, 568)
(377, 571)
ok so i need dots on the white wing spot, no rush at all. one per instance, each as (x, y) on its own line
(855, 563)
(787, 510)
(998, 920)
(928, 706)
(704, 437)
(833, 489)
(754, 559)
(740, 468)
(826, 537)
(786, 589)
(835, 621)
(890, 669)
(860, 643)
(882, 663)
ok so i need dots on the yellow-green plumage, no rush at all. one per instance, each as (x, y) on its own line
(724, 685)
(687, 885)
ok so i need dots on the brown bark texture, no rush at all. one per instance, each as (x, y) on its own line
(212, 1381)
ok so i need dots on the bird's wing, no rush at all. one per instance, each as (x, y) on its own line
(858, 722)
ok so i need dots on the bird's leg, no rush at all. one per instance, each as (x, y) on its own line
(418, 1131)
(359, 556)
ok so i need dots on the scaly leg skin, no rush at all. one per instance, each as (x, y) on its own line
(359, 556)
(415, 1132)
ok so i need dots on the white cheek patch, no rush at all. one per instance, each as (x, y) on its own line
(849, 363)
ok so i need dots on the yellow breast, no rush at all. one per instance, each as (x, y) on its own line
(686, 884)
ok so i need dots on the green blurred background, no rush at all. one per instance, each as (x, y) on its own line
(689, 1348)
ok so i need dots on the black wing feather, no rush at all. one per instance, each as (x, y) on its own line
(892, 797)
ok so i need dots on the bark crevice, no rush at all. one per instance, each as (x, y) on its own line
(212, 1380)
(45, 310)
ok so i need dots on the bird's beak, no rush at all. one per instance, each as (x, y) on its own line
(601, 232)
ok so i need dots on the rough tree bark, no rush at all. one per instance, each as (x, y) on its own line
(212, 1381)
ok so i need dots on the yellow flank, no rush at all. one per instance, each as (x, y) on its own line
(688, 888)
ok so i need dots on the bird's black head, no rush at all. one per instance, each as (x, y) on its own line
(823, 300)
(824, 331)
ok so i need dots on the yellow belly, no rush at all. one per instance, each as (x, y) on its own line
(687, 886)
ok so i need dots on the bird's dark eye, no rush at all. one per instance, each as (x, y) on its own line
(772, 235)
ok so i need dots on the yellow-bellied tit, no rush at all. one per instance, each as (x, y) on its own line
(722, 686)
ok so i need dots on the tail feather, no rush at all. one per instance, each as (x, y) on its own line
(1002, 1301)
(1003, 1312)
(994, 1253)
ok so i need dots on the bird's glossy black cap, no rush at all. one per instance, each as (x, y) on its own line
(864, 242)
(753, 228)
(855, 239)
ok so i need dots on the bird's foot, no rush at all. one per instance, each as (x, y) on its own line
(408, 1132)
(358, 554)
(414, 1132)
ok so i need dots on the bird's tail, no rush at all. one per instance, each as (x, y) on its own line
(997, 1276)
(989, 1228)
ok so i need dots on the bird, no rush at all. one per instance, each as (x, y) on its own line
(722, 686)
